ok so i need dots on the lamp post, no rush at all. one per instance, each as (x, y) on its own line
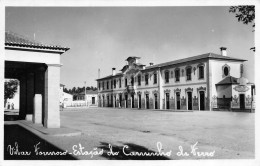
(85, 94)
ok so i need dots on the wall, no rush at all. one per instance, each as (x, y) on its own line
(31, 56)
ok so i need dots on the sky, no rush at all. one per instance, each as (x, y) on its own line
(103, 37)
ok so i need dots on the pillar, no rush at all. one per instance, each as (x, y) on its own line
(29, 96)
(39, 90)
(160, 89)
(22, 103)
(37, 111)
(51, 97)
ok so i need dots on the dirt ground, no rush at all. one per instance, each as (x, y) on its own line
(109, 133)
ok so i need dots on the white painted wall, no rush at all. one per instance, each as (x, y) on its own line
(216, 70)
(30, 56)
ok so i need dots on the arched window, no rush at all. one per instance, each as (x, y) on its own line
(119, 82)
(188, 73)
(132, 81)
(155, 78)
(146, 79)
(166, 76)
(201, 72)
(139, 80)
(114, 83)
(125, 82)
(225, 70)
(177, 74)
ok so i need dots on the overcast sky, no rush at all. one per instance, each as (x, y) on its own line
(103, 37)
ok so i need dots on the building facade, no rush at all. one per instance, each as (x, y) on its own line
(196, 83)
(89, 99)
(37, 67)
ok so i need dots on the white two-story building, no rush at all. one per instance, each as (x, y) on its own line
(204, 82)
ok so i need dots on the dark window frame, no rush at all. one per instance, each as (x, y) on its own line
(167, 76)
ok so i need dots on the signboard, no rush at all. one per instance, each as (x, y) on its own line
(241, 88)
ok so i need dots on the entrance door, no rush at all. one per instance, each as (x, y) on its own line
(202, 100)
(126, 101)
(242, 101)
(115, 100)
(133, 101)
(178, 100)
(120, 100)
(93, 100)
(147, 101)
(107, 101)
(155, 102)
(167, 101)
(139, 98)
(189, 100)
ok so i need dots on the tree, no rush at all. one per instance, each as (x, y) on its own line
(10, 89)
(244, 14)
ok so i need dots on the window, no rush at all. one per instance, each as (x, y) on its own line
(107, 85)
(139, 80)
(188, 73)
(103, 85)
(155, 78)
(201, 72)
(99, 86)
(166, 76)
(132, 81)
(226, 71)
(177, 75)
(146, 79)
(114, 83)
(119, 82)
(111, 84)
(126, 82)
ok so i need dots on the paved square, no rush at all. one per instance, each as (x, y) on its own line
(228, 135)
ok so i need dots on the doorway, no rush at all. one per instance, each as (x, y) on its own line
(133, 101)
(202, 100)
(167, 100)
(155, 101)
(93, 100)
(139, 100)
(147, 101)
(242, 101)
(120, 100)
(126, 101)
(189, 94)
(178, 100)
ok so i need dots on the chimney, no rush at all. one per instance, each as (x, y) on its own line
(113, 71)
(223, 51)
(151, 64)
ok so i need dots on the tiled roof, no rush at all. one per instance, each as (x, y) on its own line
(15, 40)
(198, 57)
(203, 56)
(110, 76)
(228, 80)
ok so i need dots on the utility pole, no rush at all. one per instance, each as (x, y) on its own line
(85, 94)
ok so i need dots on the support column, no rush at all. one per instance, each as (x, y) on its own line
(38, 97)
(29, 96)
(160, 89)
(22, 103)
(52, 87)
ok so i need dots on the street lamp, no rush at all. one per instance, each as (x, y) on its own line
(85, 94)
